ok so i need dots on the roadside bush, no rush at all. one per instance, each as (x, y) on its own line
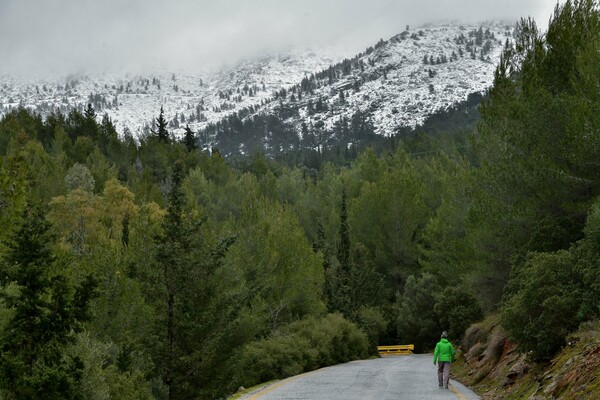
(543, 302)
(372, 321)
(102, 379)
(552, 293)
(589, 249)
(302, 346)
(457, 309)
(279, 356)
(417, 322)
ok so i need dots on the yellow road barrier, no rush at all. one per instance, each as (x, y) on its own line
(400, 349)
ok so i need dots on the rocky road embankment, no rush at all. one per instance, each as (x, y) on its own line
(494, 367)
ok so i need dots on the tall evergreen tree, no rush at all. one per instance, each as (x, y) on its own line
(90, 126)
(344, 246)
(89, 113)
(45, 313)
(189, 139)
(180, 290)
(161, 123)
(538, 142)
(172, 246)
(12, 197)
(339, 299)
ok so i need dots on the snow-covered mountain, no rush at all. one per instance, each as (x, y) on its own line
(133, 100)
(398, 82)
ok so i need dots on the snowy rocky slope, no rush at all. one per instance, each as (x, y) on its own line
(134, 100)
(398, 82)
(401, 81)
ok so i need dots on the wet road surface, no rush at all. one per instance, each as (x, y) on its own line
(410, 377)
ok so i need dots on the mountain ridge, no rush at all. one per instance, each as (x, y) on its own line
(395, 84)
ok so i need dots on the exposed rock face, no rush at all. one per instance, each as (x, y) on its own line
(492, 365)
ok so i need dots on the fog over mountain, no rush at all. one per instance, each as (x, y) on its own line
(62, 36)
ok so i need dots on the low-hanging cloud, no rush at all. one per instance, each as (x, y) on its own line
(63, 36)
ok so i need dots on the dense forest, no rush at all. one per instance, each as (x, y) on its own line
(153, 269)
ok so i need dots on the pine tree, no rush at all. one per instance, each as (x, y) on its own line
(12, 197)
(89, 112)
(45, 313)
(189, 139)
(339, 285)
(162, 133)
(90, 126)
(125, 231)
(180, 291)
(540, 170)
(171, 248)
(344, 247)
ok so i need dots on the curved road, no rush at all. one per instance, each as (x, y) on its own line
(391, 378)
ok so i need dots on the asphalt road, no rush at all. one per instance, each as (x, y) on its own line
(410, 377)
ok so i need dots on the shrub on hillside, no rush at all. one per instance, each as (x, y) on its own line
(457, 309)
(302, 346)
(552, 293)
(543, 302)
(588, 251)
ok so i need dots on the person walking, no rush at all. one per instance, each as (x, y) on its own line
(444, 356)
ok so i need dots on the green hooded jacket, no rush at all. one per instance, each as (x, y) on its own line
(443, 351)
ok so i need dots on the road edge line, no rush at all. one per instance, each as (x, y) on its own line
(280, 384)
(457, 393)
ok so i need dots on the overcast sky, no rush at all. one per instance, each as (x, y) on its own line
(63, 36)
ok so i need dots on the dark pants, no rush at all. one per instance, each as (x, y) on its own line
(443, 373)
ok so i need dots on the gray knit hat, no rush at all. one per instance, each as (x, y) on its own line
(444, 334)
